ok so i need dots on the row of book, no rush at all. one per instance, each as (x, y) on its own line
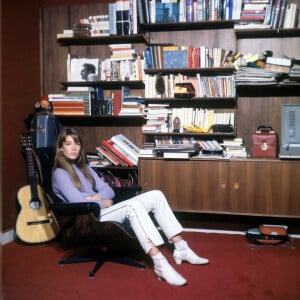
(123, 64)
(267, 71)
(119, 151)
(96, 101)
(164, 56)
(269, 14)
(205, 86)
(170, 11)
(162, 118)
(124, 17)
(92, 26)
(72, 103)
(174, 147)
(264, 14)
(120, 18)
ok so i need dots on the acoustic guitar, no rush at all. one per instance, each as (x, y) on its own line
(35, 222)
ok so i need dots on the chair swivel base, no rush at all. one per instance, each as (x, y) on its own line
(100, 260)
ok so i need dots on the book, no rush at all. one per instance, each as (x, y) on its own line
(112, 18)
(175, 59)
(122, 17)
(290, 16)
(109, 144)
(128, 146)
(103, 152)
(189, 10)
(277, 8)
(281, 61)
(146, 153)
(282, 13)
(167, 12)
(117, 102)
(176, 155)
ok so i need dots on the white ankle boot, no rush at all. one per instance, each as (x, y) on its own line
(165, 271)
(185, 253)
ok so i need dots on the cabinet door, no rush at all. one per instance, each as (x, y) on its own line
(188, 185)
(265, 187)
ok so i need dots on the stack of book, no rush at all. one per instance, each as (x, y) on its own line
(175, 148)
(132, 106)
(71, 103)
(268, 14)
(99, 25)
(82, 29)
(254, 12)
(255, 76)
(119, 150)
(234, 147)
(278, 64)
(295, 73)
(157, 116)
(122, 52)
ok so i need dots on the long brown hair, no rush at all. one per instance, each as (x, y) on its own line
(61, 161)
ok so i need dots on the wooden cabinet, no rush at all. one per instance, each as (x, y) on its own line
(246, 187)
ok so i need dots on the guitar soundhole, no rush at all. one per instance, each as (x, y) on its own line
(35, 204)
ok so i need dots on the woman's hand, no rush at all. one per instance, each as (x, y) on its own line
(93, 197)
(107, 203)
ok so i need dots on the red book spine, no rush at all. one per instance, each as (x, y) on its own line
(117, 103)
(108, 156)
(109, 145)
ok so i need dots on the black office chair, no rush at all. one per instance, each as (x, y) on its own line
(81, 235)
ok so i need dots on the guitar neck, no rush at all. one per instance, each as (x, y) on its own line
(32, 174)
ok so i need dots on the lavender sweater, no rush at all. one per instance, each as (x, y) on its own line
(64, 188)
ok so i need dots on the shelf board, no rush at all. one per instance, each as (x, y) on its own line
(104, 120)
(267, 33)
(190, 134)
(194, 102)
(102, 40)
(277, 90)
(178, 26)
(193, 71)
(134, 84)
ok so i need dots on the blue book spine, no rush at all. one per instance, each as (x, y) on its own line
(112, 18)
(189, 10)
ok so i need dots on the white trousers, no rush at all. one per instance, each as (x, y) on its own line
(136, 210)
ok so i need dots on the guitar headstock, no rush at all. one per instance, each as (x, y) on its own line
(26, 141)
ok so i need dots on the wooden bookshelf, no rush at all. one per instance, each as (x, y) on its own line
(101, 40)
(244, 187)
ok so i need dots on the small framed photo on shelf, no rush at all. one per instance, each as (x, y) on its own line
(84, 69)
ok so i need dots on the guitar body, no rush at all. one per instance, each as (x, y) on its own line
(35, 222)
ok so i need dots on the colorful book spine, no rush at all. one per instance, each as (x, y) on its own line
(126, 145)
(189, 11)
(112, 18)
(102, 152)
(110, 145)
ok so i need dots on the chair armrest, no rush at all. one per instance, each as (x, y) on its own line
(124, 193)
(72, 209)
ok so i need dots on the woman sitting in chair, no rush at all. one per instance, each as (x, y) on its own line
(75, 181)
